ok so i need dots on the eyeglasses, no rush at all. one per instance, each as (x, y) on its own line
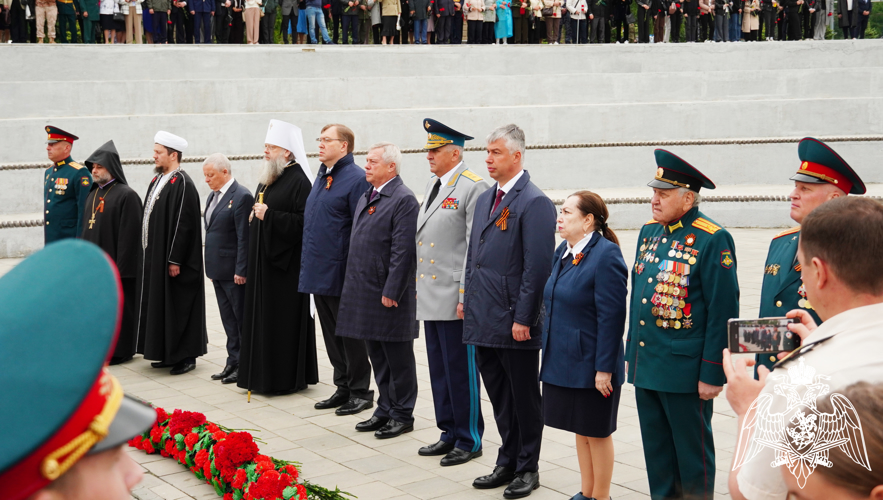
(327, 140)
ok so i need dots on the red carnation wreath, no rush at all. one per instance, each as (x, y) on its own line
(228, 460)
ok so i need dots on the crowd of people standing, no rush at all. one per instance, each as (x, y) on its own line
(426, 21)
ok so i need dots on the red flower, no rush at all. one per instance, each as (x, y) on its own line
(161, 415)
(191, 440)
(302, 492)
(201, 457)
(170, 447)
(183, 422)
(291, 470)
(239, 479)
(148, 446)
(228, 496)
(269, 485)
(235, 450)
(207, 470)
(211, 427)
(217, 436)
(265, 467)
(156, 434)
(136, 441)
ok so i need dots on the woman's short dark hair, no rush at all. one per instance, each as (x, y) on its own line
(847, 233)
(590, 203)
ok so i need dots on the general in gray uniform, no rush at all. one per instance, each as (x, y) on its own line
(443, 229)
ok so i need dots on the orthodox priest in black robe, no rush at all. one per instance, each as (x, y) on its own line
(112, 220)
(279, 334)
(171, 323)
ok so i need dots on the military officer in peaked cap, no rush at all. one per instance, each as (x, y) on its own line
(65, 417)
(66, 185)
(684, 289)
(443, 228)
(823, 175)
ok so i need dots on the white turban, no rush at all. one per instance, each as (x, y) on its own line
(289, 137)
(170, 141)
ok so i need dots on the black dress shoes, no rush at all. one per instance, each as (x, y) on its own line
(232, 378)
(372, 424)
(500, 476)
(439, 448)
(458, 456)
(337, 399)
(182, 368)
(523, 485)
(392, 429)
(354, 405)
(159, 364)
(118, 360)
(225, 372)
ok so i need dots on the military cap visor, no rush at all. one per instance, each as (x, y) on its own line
(673, 172)
(440, 135)
(55, 134)
(819, 164)
(58, 328)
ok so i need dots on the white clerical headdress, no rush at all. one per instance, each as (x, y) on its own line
(170, 141)
(289, 137)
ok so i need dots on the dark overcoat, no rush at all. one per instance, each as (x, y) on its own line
(381, 263)
(506, 270)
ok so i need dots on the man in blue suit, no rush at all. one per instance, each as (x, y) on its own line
(226, 252)
(508, 263)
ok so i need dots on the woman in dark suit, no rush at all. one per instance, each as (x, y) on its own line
(582, 370)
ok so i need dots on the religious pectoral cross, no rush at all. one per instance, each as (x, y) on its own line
(91, 221)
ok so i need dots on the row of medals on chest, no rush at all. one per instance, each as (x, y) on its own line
(673, 279)
(773, 269)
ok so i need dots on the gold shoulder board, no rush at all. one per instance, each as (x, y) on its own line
(471, 176)
(75, 165)
(787, 232)
(706, 225)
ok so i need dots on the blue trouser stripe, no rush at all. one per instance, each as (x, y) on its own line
(474, 400)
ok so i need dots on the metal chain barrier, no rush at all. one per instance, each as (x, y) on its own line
(576, 145)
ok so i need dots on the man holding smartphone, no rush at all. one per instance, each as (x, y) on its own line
(823, 176)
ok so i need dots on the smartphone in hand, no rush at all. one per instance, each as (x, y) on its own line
(763, 335)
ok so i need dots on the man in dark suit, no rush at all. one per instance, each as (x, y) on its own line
(378, 303)
(226, 252)
(508, 263)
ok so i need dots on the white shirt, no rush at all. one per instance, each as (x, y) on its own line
(852, 356)
(225, 187)
(382, 185)
(445, 179)
(511, 184)
(575, 249)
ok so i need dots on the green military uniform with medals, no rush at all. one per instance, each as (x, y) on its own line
(66, 186)
(783, 289)
(684, 290)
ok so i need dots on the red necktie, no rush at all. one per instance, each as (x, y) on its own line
(500, 194)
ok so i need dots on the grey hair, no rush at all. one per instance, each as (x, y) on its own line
(513, 135)
(391, 154)
(697, 198)
(219, 161)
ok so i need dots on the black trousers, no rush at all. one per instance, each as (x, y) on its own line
(160, 27)
(599, 25)
(691, 27)
(809, 22)
(202, 27)
(511, 380)
(231, 304)
(706, 28)
(289, 21)
(644, 19)
(473, 35)
(237, 28)
(222, 27)
(792, 17)
(443, 30)
(520, 28)
(349, 357)
(620, 29)
(767, 21)
(350, 26)
(457, 29)
(178, 26)
(487, 33)
(580, 30)
(18, 24)
(375, 30)
(675, 20)
(268, 28)
(395, 373)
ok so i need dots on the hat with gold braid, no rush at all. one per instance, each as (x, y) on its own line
(820, 164)
(440, 135)
(673, 172)
(60, 402)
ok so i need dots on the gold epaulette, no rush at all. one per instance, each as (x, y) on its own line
(787, 232)
(651, 221)
(471, 176)
(75, 165)
(706, 225)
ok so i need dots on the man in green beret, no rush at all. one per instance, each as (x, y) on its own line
(823, 175)
(66, 185)
(684, 289)
(65, 416)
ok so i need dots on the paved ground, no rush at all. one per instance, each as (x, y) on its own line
(333, 453)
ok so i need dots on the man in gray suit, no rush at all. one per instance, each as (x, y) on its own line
(443, 229)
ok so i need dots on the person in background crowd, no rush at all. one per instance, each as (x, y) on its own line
(47, 13)
(644, 15)
(474, 21)
(112, 220)
(443, 11)
(67, 20)
(781, 33)
(390, 10)
(268, 22)
(598, 17)
(314, 16)
(302, 23)
(365, 8)
(659, 9)
(503, 26)
(750, 19)
(226, 253)
(520, 19)
(808, 18)
(691, 20)
(376, 22)
(722, 12)
(406, 33)
(222, 20)
(579, 20)
(735, 29)
(120, 24)
(252, 15)
(159, 10)
(421, 10)
(146, 23)
(489, 18)
(768, 19)
(820, 28)
(457, 23)
(178, 17)
(552, 16)
(582, 358)
(792, 18)
(378, 302)
(620, 11)
(133, 21)
(350, 14)
(237, 25)
(333, 13)
(863, 7)
(202, 12)
(4, 20)
(676, 17)
(288, 10)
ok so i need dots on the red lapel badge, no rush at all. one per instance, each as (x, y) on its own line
(174, 179)
(501, 222)
(578, 257)
(372, 210)
(328, 182)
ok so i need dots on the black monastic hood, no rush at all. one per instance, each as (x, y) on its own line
(107, 157)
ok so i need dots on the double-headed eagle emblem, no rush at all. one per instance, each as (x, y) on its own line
(801, 435)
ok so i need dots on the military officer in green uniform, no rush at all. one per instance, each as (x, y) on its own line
(823, 175)
(684, 289)
(67, 20)
(66, 185)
